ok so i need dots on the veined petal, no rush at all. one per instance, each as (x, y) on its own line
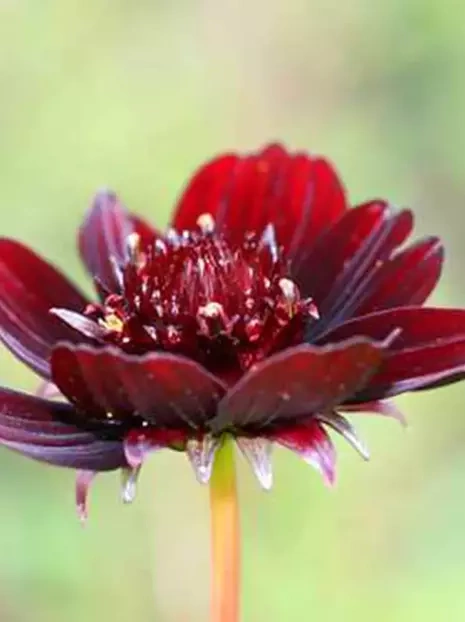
(29, 288)
(34, 427)
(304, 379)
(158, 388)
(336, 270)
(428, 351)
(103, 238)
(298, 194)
(406, 279)
(416, 326)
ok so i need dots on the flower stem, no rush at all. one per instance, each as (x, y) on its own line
(225, 536)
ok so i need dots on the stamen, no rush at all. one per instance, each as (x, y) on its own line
(134, 248)
(206, 223)
(112, 323)
(269, 239)
(291, 295)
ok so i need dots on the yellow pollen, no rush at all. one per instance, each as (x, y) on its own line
(112, 323)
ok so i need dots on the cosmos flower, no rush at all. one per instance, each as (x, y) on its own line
(266, 311)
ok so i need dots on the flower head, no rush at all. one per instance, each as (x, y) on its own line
(265, 311)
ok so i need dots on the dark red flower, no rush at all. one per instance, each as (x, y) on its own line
(265, 311)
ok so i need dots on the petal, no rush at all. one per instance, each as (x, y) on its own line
(84, 480)
(406, 279)
(35, 428)
(201, 453)
(29, 288)
(385, 408)
(305, 379)
(257, 452)
(103, 238)
(129, 479)
(48, 391)
(342, 262)
(139, 443)
(298, 194)
(80, 323)
(311, 443)
(428, 351)
(162, 389)
(338, 423)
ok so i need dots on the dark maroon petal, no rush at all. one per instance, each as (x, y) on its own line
(35, 428)
(312, 443)
(335, 272)
(80, 323)
(298, 194)
(406, 279)
(429, 349)
(103, 239)
(298, 382)
(417, 327)
(437, 364)
(29, 288)
(163, 389)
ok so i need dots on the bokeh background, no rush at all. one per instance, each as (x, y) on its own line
(134, 95)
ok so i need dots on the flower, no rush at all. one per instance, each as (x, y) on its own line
(266, 310)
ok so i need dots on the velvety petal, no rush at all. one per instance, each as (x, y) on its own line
(162, 389)
(417, 326)
(103, 239)
(343, 260)
(406, 279)
(311, 443)
(428, 351)
(301, 380)
(34, 427)
(299, 194)
(29, 288)
(423, 367)
(80, 323)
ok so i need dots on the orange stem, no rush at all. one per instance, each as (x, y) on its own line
(225, 536)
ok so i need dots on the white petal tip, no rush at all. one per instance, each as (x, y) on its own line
(201, 454)
(257, 451)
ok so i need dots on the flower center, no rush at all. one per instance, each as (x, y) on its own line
(195, 294)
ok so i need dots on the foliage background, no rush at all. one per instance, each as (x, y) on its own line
(134, 95)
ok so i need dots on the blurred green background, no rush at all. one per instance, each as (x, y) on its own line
(134, 95)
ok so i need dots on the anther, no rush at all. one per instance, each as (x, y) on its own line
(206, 223)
